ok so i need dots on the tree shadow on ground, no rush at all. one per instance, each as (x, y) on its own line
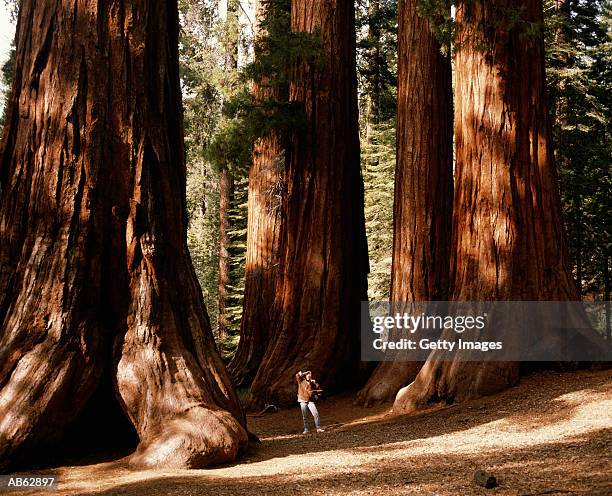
(540, 396)
(551, 468)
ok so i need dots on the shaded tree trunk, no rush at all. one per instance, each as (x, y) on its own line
(373, 98)
(95, 275)
(323, 250)
(423, 185)
(263, 230)
(507, 229)
(606, 272)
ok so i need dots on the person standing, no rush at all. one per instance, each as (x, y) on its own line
(308, 391)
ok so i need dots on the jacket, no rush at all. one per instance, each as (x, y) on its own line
(305, 388)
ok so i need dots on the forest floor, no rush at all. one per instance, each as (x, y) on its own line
(550, 435)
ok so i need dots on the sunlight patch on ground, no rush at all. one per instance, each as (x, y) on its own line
(525, 439)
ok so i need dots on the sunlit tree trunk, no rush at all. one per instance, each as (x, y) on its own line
(507, 229)
(323, 252)
(263, 230)
(423, 185)
(95, 276)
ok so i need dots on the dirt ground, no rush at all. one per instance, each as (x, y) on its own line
(551, 435)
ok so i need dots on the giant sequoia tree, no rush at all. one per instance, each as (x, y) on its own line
(423, 184)
(323, 252)
(507, 230)
(263, 228)
(95, 276)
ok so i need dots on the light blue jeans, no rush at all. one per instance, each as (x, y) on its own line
(305, 406)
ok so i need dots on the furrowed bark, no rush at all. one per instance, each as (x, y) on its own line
(507, 231)
(323, 252)
(93, 255)
(263, 231)
(423, 185)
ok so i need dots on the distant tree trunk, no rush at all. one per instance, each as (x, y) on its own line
(226, 190)
(263, 230)
(507, 228)
(95, 275)
(374, 39)
(323, 250)
(373, 97)
(606, 272)
(578, 229)
(423, 185)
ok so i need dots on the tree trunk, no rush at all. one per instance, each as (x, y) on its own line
(226, 192)
(507, 230)
(323, 250)
(95, 275)
(373, 96)
(423, 185)
(263, 228)
(606, 272)
(226, 185)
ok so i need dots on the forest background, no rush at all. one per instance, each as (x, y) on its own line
(216, 47)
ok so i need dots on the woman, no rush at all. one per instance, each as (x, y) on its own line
(307, 391)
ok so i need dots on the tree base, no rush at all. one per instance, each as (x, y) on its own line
(198, 439)
(386, 381)
(451, 382)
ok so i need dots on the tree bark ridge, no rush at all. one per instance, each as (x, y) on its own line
(423, 185)
(94, 268)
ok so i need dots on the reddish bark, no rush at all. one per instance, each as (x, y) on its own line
(93, 252)
(263, 230)
(323, 252)
(507, 230)
(423, 185)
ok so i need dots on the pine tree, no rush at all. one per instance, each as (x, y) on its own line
(377, 79)
(201, 76)
(573, 34)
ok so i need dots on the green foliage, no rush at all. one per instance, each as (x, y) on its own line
(205, 81)
(203, 231)
(378, 159)
(377, 78)
(6, 81)
(246, 118)
(440, 20)
(579, 56)
(377, 58)
(444, 25)
(223, 118)
(228, 346)
(278, 50)
(237, 250)
(7, 70)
